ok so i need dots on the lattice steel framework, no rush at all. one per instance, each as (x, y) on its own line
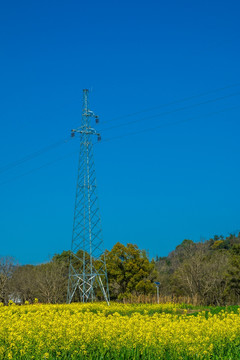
(87, 270)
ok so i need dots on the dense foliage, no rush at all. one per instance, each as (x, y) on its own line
(205, 273)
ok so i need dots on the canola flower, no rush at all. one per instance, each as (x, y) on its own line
(118, 331)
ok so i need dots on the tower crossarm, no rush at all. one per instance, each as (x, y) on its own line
(85, 130)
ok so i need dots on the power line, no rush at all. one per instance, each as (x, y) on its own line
(170, 112)
(38, 168)
(173, 102)
(167, 124)
(62, 141)
(162, 105)
(33, 155)
(122, 136)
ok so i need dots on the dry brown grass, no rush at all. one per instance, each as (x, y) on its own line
(152, 299)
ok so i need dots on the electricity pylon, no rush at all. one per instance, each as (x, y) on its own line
(87, 270)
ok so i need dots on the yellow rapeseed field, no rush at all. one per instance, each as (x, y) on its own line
(118, 331)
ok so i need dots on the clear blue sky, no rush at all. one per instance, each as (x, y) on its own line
(157, 187)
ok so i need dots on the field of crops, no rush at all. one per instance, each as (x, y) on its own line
(118, 331)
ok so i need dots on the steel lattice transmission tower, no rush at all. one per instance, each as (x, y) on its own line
(87, 270)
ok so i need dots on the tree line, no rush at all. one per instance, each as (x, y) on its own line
(208, 271)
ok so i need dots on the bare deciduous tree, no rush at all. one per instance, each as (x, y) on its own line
(51, 281)
(203, 275)
(6, 271)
